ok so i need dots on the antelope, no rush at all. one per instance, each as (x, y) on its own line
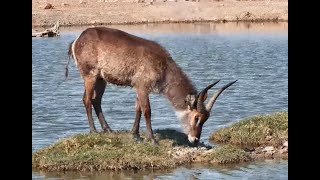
(111, 56)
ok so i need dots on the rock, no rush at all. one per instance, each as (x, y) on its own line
(209, 151)
(64, 4)
(285, 144)
(48, 6)
(258, 150)
(202, 148)
(283, 151)
(268, 149)
(268, 138)
(248, 149)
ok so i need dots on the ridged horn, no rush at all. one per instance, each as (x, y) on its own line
(215, 96)
(201, 95)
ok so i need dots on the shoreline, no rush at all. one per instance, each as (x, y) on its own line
(196, 27)
(125, 12)
(222, 21)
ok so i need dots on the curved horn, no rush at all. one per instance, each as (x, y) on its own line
(215, 96)
(201, 95)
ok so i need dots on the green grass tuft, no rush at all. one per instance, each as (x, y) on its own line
(226, 154)
(271, 129)
(103, 151)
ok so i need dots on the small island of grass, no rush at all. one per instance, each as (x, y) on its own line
(118, 150)
(261, 135)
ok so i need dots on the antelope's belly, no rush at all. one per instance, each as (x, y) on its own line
(117, 77)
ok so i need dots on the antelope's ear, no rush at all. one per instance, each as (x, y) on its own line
(190, 100)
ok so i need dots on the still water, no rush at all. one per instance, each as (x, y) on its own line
(255, 54)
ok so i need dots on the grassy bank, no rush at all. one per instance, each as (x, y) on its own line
(119, 151)
(268, 130)
(268, 134)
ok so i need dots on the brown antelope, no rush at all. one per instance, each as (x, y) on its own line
(104, 55)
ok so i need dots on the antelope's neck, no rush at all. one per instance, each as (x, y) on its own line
(177, 87)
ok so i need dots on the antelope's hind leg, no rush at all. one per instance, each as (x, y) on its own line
(99, 89)
(89, 84)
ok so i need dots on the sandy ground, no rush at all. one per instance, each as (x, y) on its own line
(97, 12)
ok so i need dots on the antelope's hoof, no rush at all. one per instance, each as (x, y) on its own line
(153, 141)
(93, 131)
(137, 138)
(107, 130)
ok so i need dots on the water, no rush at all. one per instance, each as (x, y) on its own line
(258, 58)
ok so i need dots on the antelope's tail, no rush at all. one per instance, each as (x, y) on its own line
(70, 55)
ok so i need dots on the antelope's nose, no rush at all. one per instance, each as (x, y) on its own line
(193, 139)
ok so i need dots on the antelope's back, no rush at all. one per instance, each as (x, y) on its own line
(120, 58)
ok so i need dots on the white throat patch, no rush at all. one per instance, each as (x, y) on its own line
(181, 114)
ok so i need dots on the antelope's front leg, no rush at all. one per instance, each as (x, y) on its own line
(136, 125)
(143, 98)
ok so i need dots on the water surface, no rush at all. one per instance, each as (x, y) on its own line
(258, 58)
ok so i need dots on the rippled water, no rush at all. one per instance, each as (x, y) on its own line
(259, 60)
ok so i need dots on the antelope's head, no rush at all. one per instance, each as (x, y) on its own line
(198, 112)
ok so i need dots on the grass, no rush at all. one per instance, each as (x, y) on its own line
(102, 151)
(226, 154)
(270, 129)
(117, 150)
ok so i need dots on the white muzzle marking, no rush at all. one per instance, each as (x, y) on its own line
(192, 138)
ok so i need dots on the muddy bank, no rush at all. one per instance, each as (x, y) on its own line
(94, 12)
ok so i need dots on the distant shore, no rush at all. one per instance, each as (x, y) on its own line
(95, 12)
